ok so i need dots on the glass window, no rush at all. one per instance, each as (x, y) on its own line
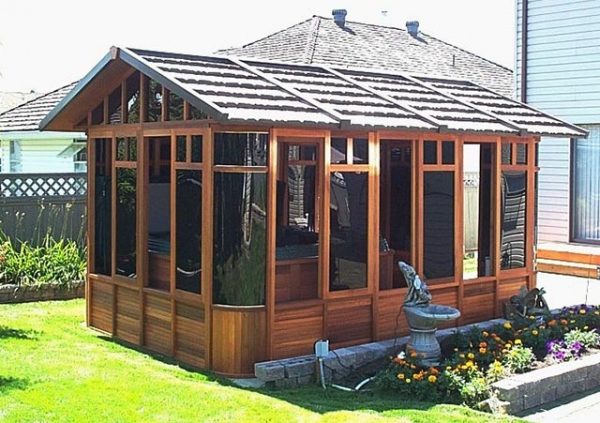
(102, 206)
(438, 225)
(196, 148)
(155, 101)
(506, 153)
(188, 230)
(132, 148)
(585, 197)
(239, 258)
(361, 150)
(514, 216)
(448, 152)
(521, 154)
(122, 149)
(348, 227)
(175, 107)
(339, 150)
(181, 148)
(430, 152)
(133, 98)
(196, 114)
(126, 222)
(114, 106)
(241, 149)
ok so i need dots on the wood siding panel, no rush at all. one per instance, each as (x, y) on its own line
(157, 320)
(349, 321)
(391, 322)
(190, 338)
(128, 314)
(478, 304)
(101, 305)
(296, 330)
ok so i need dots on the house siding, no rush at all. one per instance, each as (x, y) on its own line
(563, 79)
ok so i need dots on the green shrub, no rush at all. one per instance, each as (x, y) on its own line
(519, 359)
(589, 339)
(53, 261)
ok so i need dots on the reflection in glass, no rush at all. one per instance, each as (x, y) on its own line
(175, 107)
(521, 154)
(121, 149)
(339, 150)
(126, 222)
(438, 224)
(154, 101)
(189, 230)
(196, 114)
(196, 148)
(514, 214)
(360, 147)
(239, 258)
(102, 204)
(348, 223)
(430, 152)
(506, 153)
(133, 98)
(241, 149)
(448, 152)
(180, 148)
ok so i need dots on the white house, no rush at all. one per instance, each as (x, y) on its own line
(558, 71)
(25, 149)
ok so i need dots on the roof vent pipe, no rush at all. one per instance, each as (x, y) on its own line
(339, 17)
(413, 28)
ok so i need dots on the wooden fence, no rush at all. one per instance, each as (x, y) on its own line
(34, 205)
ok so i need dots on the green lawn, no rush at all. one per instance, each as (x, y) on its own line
(52, 368)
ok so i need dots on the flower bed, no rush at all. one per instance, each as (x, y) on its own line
(474, 361)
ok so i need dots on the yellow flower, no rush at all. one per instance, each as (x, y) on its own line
(586, 327)
(461, 355)
(582, 311)
(518, 342)
(597, 313)
(508, 346)
(507, 325)
(448, 367)
(534, 332)
(407, 380)
(482, 350)
(401, 376)
(470, 356)
(531, 317)
(469, 364)
(432, 379)
(485, 334)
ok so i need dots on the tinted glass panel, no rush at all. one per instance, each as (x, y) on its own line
(154, 101)
(175, 107)
(514, 214)
(348, 241)
(180, 148)
(132, 148)
(133, 98)
(447, 152)
(239, 259)
(438, 224)
(521, 154)
(102, 204)
(506, 153)
(189, 230)
(242, 149)
(361, 150)
(126, 222)
(196, 148)
(308, 152)
(114, 107)
(122, 152)
(196, 114)
(430, 152)
(338, 150)
(585, 194)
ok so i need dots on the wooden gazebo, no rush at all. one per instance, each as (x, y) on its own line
(239, 210)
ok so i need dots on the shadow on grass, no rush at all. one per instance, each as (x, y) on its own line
(210, 376)
(6, 332)
(9, 383)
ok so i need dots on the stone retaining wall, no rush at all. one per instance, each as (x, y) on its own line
(46, 292)
(291, 372)
(550, 383)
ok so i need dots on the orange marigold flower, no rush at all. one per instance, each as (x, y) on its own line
(483, 345)
(552, 323)
(482, 350)
(564, 322)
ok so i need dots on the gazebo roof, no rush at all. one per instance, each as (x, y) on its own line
(249, 91)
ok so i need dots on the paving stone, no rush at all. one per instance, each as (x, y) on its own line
(269, 371)
(306, 380)
(300, 368)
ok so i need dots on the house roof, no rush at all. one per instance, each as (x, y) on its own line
(264, 92)
(9, 100)
(321, 41)
(27, 116)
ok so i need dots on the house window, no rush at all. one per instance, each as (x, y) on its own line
(585, 192)
(15, 161)
(80, 161)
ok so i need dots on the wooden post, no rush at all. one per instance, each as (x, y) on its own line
(374, 232)
(207, 236)
(271, 239)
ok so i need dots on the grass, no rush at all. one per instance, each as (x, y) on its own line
(52, 368)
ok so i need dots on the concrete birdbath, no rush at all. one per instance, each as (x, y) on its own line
(423, 318)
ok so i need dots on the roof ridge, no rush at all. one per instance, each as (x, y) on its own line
(36, 98)
(311, 44)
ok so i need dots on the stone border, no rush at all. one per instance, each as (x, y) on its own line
(10, 294)
(541, 386)
(292, 372)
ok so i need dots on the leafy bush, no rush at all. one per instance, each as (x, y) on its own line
(405, 377)
(53, 261)
(588, 339)
(519, 359)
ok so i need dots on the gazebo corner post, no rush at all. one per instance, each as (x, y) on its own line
(207, 245)
(271, 241)
(420, 142)
(459, 207)
(374, 233)
(91, 233)
(141, 225)
(497, 222)
(325, 219)
(531, 213)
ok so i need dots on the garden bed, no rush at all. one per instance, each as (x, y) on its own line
(10, 293)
